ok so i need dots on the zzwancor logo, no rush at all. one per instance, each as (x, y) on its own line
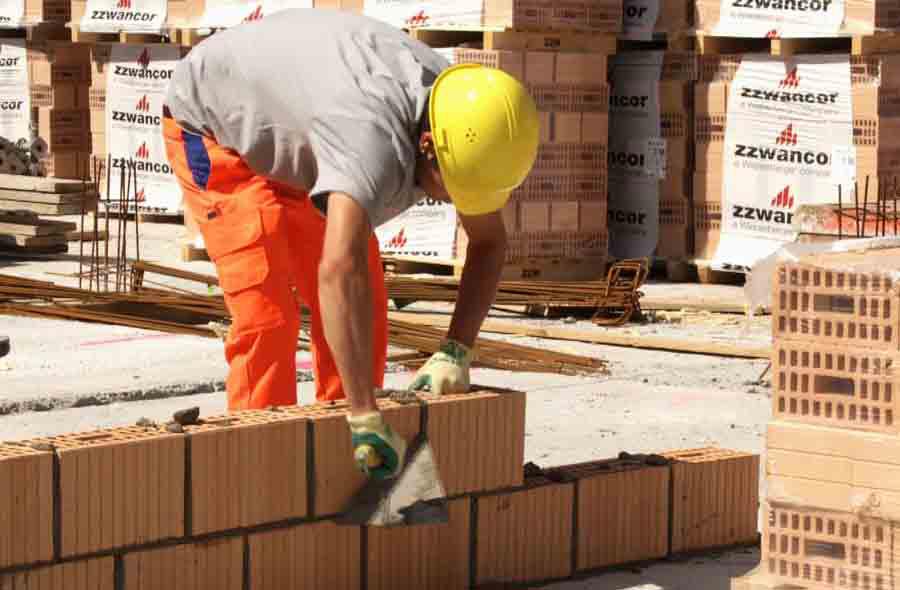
(783, 155)
(144, 71)
(792, 80)
(254, 16)
(785, 5)
(399, 240)
(788, 136)
(124, 12)
(784, 199)
(789, 92)
(419, 19)
(8, 62)
(142, 162)
(779, 210)
(142, 116)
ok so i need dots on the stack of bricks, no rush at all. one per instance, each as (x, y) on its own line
(560, 212)
(875, 88)
(833, 493)
(58, 73)
(651, 108)
(250, 498)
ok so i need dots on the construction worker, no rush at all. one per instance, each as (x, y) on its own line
(293, 137)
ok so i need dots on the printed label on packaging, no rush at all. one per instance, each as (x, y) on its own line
(135, 89)
(639, 19)
(784, 120)
(843, 164)
(655, 154)
(229, 13)
(780, 18)
(416, 13)
(633, 217)
(12, 13)
(426, 229)
(15, 98)
(112, 16)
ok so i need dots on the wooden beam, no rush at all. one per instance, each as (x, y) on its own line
(41, 184)
(607, 338)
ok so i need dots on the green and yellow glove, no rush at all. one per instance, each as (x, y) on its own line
(378, 451)
(447, 371)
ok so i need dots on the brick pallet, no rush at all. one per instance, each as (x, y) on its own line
(833, 497)
(250, 496)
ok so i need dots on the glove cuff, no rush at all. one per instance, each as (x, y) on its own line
(457, 350)
(367, 421)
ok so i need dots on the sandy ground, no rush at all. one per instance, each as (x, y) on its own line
(64, 377)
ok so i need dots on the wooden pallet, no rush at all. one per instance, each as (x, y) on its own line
(659, 42)
(852, 44)
(410, 265)
(38, 32)
(190, 253)
(515, 40)
(549, 269)
(700, 271)
(79, 36)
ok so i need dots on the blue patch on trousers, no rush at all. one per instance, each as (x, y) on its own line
(197, 158)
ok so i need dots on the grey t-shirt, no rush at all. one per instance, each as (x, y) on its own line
(320, 100)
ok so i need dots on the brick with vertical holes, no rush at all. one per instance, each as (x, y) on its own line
(525, 535)
(478, 439)
(421, 557)
(848, 387)
(715, 498)
(335, 476)
(26, 505)
(845, 299)
(623, 512)
(119, 487)
(91, 574)
(217, 564)
(248, 468)
(313, 555)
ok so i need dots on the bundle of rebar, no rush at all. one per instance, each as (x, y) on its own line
(182, 312)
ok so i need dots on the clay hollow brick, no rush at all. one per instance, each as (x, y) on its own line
(313, 555)
(525, 535)
(827, 549)
(834, 386)
(91, 574)
(421, 557)
(247, 468)
(26, 505)
(818, 300)
(623, 512)
(119, 487)
(715, 498)
(217, 564)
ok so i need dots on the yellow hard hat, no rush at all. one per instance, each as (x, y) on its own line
(486, 131)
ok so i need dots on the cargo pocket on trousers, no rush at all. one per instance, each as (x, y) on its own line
(237, 246)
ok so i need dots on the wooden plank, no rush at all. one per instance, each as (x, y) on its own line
(555, 41)
(46, 208)
(32, 241)
(40, 184)
(33, 226)
(191, 253)
(52, 198)
(86, 236)
(599, 337)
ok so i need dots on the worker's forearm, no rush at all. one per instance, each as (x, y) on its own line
(346, 308)
(477, 290)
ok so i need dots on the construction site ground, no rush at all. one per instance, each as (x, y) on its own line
(65, 376)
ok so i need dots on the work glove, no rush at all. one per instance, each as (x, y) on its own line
(378, 451)
(447, 371)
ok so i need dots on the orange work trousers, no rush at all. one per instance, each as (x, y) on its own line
(266, 241)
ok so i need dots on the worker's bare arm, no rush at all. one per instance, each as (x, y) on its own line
(345, 300)
(478, 286)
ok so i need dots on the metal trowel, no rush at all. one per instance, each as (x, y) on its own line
(415, 496)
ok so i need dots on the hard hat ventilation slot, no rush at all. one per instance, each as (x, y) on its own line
(471, 136)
